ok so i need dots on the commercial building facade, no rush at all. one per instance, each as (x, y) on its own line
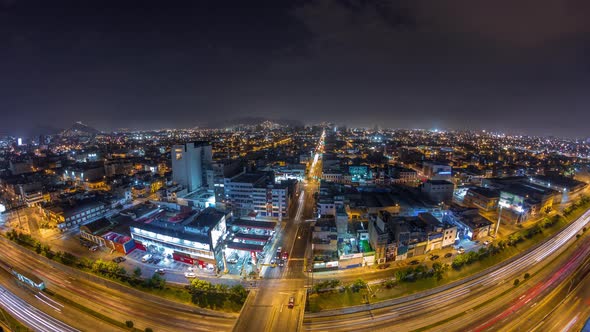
(193, 241)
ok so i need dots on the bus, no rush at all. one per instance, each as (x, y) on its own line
(27, 278)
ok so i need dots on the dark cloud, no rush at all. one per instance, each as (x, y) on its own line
(510, 65)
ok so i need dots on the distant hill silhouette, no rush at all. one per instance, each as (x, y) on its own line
(80, 129)
(253, 120)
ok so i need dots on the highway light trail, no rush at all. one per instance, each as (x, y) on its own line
(300, 206)
(31, 316)
(453, 293)
(569, 267)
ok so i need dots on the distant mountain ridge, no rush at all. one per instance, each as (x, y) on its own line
(80, 129)
(253, 120)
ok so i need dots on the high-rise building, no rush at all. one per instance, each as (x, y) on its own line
(190, 164)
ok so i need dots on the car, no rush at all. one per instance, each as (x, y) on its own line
(161, 271)
(485, 243)
(119, 259)
(150, 260)
(157, 260)
(281, 263)
(434, 257)
(190, 275)
(461, 250)
(232, 260)
(93, 248)
(448, 254)
(291, 302)
(146, 257)
(414, 262)
(272, 262)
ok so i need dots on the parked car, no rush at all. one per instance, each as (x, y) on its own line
(414, 262)
(434, 257)
(119, 259)
(485, 243)
(157, 260)
(448, 254)
(93, 248)
(190, 275)
(146, 257)
(461, 250)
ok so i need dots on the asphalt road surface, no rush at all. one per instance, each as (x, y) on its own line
(144, 310)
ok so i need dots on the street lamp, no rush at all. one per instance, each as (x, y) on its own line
(502, 205)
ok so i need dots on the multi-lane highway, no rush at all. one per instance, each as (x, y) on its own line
(31, 316)
(427, 308)
(563, 304)
(116, 302)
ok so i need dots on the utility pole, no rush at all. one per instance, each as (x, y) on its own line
(498, 223)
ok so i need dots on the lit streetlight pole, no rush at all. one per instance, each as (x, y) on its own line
(499, 218)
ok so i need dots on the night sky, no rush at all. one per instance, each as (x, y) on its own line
(515, 66)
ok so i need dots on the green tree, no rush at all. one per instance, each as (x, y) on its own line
(390, 283)
(38, 248)
(516, 282)
(439, 270)
(238, 294)
(221, 288)
(148, 329)
(156, 281)
(526, 276)
(98, 266)
(200, 287)
(358, 284)
(137, 272)
(67, 258)
(129, 324)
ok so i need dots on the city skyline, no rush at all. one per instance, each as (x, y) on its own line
(415, 65)
(290, 165)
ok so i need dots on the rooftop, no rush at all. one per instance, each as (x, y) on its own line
(489, 193)
(207, 219)
(255, 224)
(561, 181)
(253, 178)
(439, 182)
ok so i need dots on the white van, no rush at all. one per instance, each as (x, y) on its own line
(146, 257)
